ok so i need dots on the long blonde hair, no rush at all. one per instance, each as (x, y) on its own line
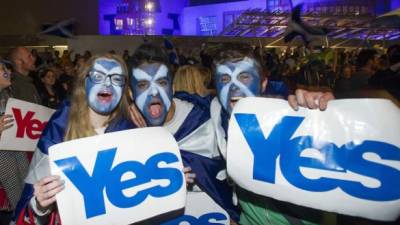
(191, 79)
(79, 125)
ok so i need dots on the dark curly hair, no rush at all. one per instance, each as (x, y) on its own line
(231, 51)
(234, 51)
(149, 53)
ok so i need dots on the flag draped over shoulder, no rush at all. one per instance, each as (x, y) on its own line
(194, 134)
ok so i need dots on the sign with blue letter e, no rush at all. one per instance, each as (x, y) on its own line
(201, 209)
(345, 159)
(119, 178)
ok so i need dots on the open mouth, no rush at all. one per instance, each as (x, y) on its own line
(234, 100)
(155, 109)
(105, 96)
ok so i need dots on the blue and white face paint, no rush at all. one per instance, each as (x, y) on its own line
(152, 88)
(104, 85)
(236, 80)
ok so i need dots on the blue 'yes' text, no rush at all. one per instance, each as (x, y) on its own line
(341, 159)
(206, 219)
(105, 177)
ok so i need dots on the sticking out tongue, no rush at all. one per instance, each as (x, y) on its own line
(155, 110)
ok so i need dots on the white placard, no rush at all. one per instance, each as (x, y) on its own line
(201, 209)
(125, 176)
(345, 159)
(29, 122)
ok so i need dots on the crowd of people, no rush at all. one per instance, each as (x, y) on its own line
(185, 93)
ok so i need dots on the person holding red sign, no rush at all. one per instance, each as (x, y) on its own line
(13, 164)
(98, 105)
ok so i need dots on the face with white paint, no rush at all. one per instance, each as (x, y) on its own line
(104, 85)
(152, 88)
(236, 80)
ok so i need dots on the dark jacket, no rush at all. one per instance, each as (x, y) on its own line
(24, 89)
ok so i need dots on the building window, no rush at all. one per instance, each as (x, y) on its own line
(130, 21)
(207, 2)
(230, 17)
(119, 24)
(207, 25)
(273, 5)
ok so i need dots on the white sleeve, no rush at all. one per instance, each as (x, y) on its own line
(38, 168)
(33, 205)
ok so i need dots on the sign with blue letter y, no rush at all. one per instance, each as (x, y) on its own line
(312, 158)
(119, 178)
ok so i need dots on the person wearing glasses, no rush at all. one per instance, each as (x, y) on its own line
(98, 105)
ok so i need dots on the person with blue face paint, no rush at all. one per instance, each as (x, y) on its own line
(186, 116)
(99, 104)
(104, 84)
(238, 75)
(152, 87)
(236, 80)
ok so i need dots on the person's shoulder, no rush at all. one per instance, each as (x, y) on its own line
(16, 78)
(196, 100)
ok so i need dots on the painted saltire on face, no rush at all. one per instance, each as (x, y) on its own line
(152, 88)
(237, 80)
(104, 96)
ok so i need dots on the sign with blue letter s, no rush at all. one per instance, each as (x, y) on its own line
(119, 178)
(345, 159)
(201, 209)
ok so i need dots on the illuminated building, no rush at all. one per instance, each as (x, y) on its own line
(215, 17)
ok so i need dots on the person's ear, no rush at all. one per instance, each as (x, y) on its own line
(264, 84)
(19, 62)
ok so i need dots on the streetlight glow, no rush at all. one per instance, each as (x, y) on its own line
(149, 6)
(149, 21)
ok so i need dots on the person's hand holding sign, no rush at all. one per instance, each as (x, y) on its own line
(45, 191)
(310, 99)
(5, 122)
(189, 177)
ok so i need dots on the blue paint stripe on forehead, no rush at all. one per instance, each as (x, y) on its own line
(151, 69)
(154, 69)
(231, 65)
(108, 64)
(244, 65)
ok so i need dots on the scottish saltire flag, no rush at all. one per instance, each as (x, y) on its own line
(63, 28)
(193, 129)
